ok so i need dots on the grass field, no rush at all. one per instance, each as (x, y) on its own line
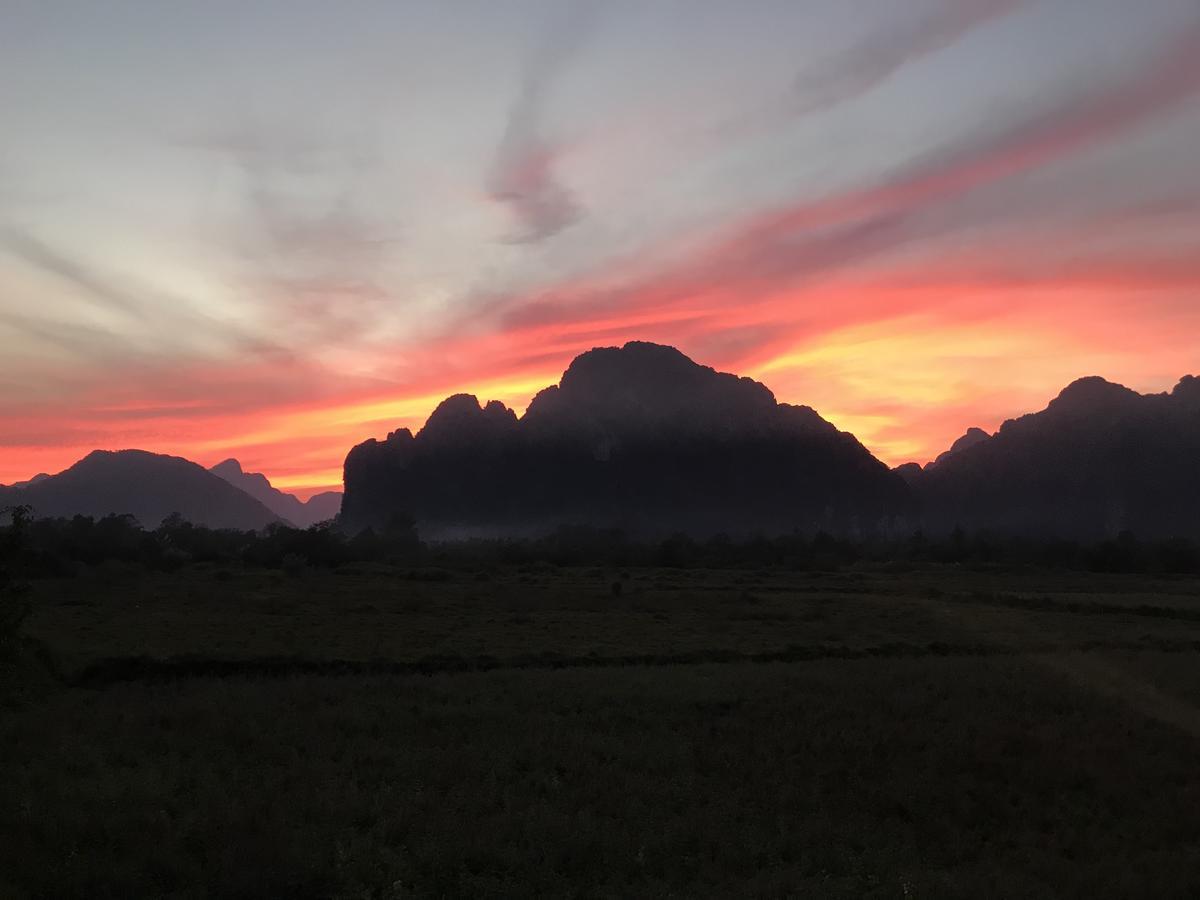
(393, 732)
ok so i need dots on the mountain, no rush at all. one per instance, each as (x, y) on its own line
(910, 472)
(970, 439)
(914, 474)
(638, 437)
(1099, 459)
(147, 485)
(318, 508)
(322, 507)
(40, 476)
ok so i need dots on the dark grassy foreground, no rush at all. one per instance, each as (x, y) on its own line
(389, 732)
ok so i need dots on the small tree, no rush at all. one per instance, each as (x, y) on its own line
(14, 605)
(14, 610)
(17, 531)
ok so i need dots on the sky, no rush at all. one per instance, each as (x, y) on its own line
(272, 230)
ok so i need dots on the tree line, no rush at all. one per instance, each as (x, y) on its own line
(54, 547)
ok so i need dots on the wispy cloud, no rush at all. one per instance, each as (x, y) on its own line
(307, 236)
(98, 289)
(919, 202)
(159, 325)
(83, 342)
(523, 175)
(845, 74)
(881, 54)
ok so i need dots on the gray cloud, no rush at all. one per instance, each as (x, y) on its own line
(313, 250)
(38, 254)
(851, 72)
(523, 175)
(923, 200)
(167, 321)
(82, 341)
(871, 62)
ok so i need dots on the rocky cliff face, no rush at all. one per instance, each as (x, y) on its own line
(638, 437)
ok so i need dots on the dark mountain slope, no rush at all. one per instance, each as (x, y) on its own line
(1098, 460)
(972, 437)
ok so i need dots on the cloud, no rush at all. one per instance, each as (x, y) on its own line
(311, 247)
(160, 325)
(847, 74)
(81, 341)
(747, 275)
(36, 253)
(523, 175)
(880, 55)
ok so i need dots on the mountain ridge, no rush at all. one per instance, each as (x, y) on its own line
(1099, 459)
(642, 438)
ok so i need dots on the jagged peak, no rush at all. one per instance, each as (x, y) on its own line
(973, 435)
(630, 352)
(1188, 389)
(455, 405)
(643, 381)
(460, 415)
(635, 365)
(497, 409)
(400, 436)
(1085, 394)
(229, 466)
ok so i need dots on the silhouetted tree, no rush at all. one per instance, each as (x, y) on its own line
(14, 604)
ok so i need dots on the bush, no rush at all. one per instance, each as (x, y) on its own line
(14, 610)
(294, 564)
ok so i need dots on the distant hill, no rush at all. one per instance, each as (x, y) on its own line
(318, 508)
(972, 437)
(1098, 460)
(639, 437)
(911, 472)
(914, 474)
(147, 485)
(40, 476)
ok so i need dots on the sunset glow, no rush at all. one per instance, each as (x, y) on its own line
(941, 238)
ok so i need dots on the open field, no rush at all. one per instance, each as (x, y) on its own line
(597, 732)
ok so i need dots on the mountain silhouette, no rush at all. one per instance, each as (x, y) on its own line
(914, 474)
(911, 473)
(1098, 460)
(40, 476)
(147, 485)
(638, 437)
(972, 437)
(318, 508)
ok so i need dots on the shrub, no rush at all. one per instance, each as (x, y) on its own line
(294, 564)
(14, 610)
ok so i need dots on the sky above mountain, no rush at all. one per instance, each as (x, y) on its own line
(270, 230)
